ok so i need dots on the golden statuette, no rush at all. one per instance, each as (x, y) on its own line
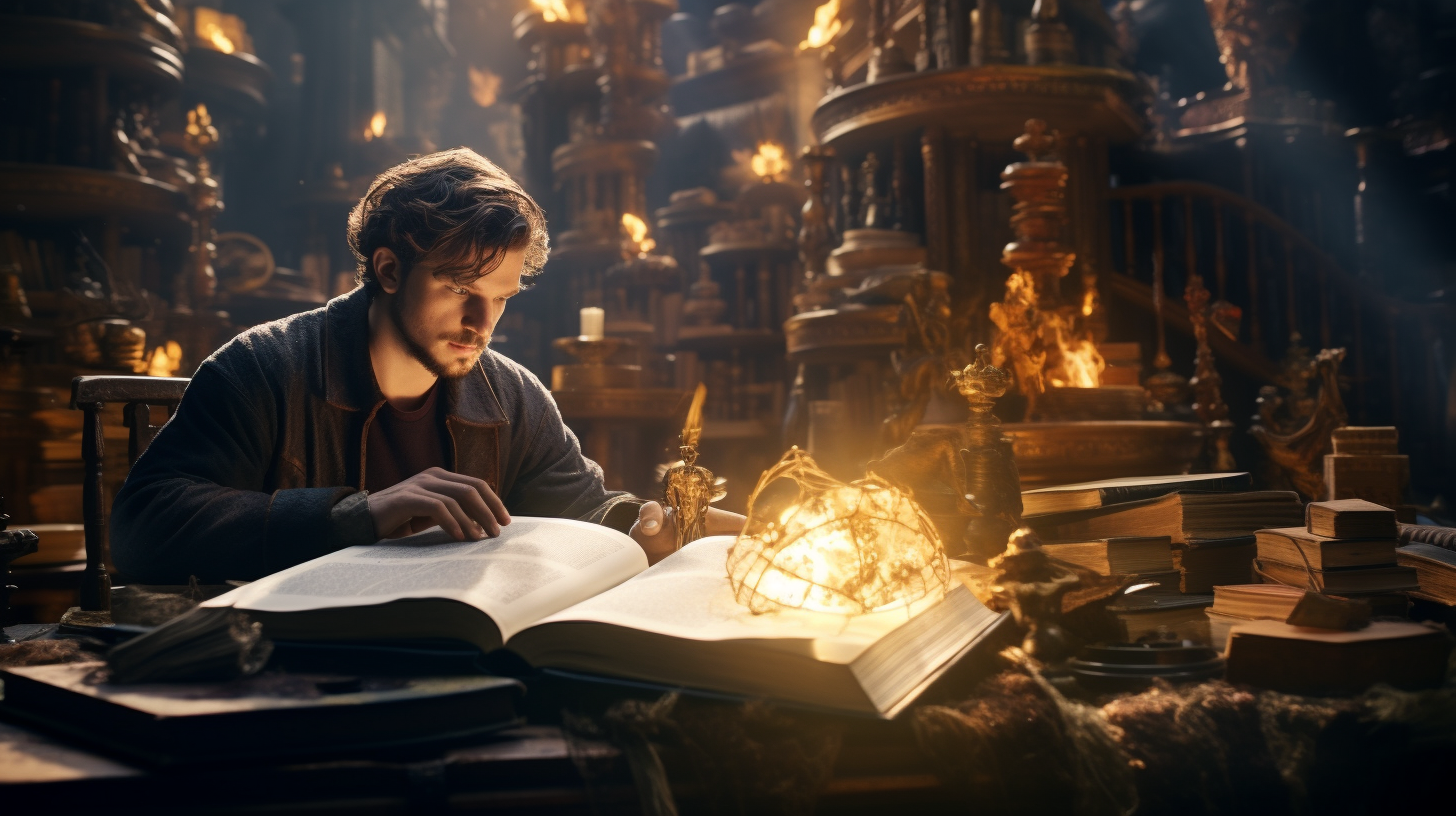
(688, 488)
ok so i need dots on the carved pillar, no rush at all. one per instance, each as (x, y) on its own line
(932, 154)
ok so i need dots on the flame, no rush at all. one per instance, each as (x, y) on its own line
(637, 234)
(375, 128)
(165, 360)
(769, 162)
(553, 10)
(826, 25)
(1089, 302)
(1080, 361)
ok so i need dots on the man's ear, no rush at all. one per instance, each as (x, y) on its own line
(387, 270)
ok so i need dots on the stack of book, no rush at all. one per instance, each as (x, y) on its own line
(1346, 548)
(1186, 534)
(1146, 560)
(1241, 603)
(1366, 464)
(1209, 520)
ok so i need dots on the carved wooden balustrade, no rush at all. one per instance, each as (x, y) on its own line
(1289, 291)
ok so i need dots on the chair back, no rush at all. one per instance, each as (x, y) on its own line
(137, 396)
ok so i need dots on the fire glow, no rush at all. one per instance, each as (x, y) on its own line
(165, 360)
(375, 128)
(826, 25)
(769, 162)
(554, 10)
(1081, 363)
(636, 230)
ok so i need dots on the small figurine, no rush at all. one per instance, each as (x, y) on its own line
(1031, 585)
(688, 489)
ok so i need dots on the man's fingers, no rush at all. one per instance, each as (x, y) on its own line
(650, 518)
(471, 502)
(493, 503)
(447, 513)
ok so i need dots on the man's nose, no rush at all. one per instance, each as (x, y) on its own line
(482, 313)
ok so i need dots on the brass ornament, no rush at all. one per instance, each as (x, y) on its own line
(1031, 585)
(687, 487)
(1296, 442)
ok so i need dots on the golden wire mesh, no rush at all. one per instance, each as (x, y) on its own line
(834, 547)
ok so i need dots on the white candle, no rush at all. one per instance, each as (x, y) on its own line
(593, 323)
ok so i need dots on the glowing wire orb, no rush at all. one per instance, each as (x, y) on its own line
(847, 549)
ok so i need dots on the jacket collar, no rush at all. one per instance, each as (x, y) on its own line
(349, 377)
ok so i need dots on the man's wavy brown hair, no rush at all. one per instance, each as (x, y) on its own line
(454, 208)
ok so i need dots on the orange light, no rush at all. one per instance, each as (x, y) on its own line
(769, 162)
(376, 126)
(826, 25)
(636, 230)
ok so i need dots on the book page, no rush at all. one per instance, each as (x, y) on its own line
(687, 595)
(535, 567)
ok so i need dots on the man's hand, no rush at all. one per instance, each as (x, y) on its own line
(463, 506)
(656, 530)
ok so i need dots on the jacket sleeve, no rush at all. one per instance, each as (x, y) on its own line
(556, 480)
(194, 503)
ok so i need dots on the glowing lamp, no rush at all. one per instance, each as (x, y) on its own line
(842, 548)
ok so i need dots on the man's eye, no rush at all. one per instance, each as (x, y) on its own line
(458, 290)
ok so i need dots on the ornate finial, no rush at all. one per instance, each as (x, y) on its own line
(1036, 141)
(982, 383)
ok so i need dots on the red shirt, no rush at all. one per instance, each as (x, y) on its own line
(403, 443)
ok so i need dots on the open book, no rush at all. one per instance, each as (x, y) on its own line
(580, 597)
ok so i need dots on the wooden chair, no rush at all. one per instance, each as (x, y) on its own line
(90, 395)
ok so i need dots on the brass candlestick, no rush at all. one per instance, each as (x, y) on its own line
(593, 370)
(992, 481)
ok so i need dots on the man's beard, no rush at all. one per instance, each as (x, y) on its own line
(452, 370)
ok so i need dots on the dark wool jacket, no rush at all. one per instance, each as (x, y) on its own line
(262, 466)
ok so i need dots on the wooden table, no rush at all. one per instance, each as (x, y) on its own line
(531, 769)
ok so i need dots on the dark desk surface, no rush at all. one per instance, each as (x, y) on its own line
(531, 769)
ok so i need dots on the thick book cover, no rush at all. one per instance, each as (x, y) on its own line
(261, 717)
(1117, 556)
(1435, 571)
(1301, 660)
(1106, 492)
(1347, 581)
(1296, 545)
(1183, 517)
(1350, 518)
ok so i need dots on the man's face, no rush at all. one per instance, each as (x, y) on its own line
(446, 326)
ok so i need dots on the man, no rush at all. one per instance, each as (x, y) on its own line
(380, 414)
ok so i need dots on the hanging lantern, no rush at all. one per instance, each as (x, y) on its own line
(834, 547)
